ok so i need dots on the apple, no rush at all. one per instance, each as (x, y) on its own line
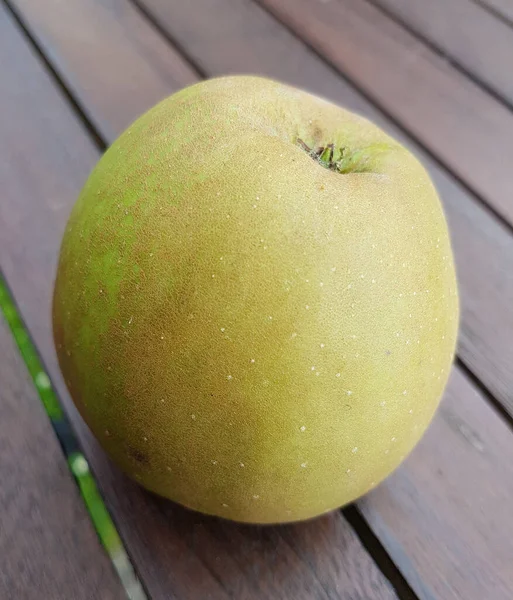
(256, 308)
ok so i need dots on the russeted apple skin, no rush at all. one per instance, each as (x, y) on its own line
(246, 331)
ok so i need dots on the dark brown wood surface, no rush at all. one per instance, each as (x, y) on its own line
(467, 129)
(48, 545)
(449, 537)
(465, 32)
(44, 159)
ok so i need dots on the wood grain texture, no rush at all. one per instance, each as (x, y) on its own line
(106, 45)
(44, 159)
(483, 247)
(501, 8)
(465, 127)
(455, 492)
(48, 545)
(464, 32)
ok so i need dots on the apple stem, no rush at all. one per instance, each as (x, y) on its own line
(324, 155)
(341, 160)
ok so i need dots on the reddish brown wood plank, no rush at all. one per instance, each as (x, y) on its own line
(44, 158)
(455, 492)
(48, 545)
(464, 32)
(465, 127)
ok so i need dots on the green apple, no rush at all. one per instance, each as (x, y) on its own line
(256, 308)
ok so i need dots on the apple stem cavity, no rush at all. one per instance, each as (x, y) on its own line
(341, 160)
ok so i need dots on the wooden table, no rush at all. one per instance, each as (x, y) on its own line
(439, 76)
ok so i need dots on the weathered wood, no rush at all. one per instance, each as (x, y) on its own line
(316, 559)
(178, 554)
(455, 493)
(500, 8)
(48, 545)
(465, 127)
(465, 32)
(112, 49)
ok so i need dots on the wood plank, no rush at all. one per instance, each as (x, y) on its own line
(501, 8)
(48, 545)
(483, 247)
(112, 42)
(466, 128)
(464, 32)
(455, 493)
(178, 554)
(482, 243)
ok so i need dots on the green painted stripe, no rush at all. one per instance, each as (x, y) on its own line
(78, 465)
(29, 354)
